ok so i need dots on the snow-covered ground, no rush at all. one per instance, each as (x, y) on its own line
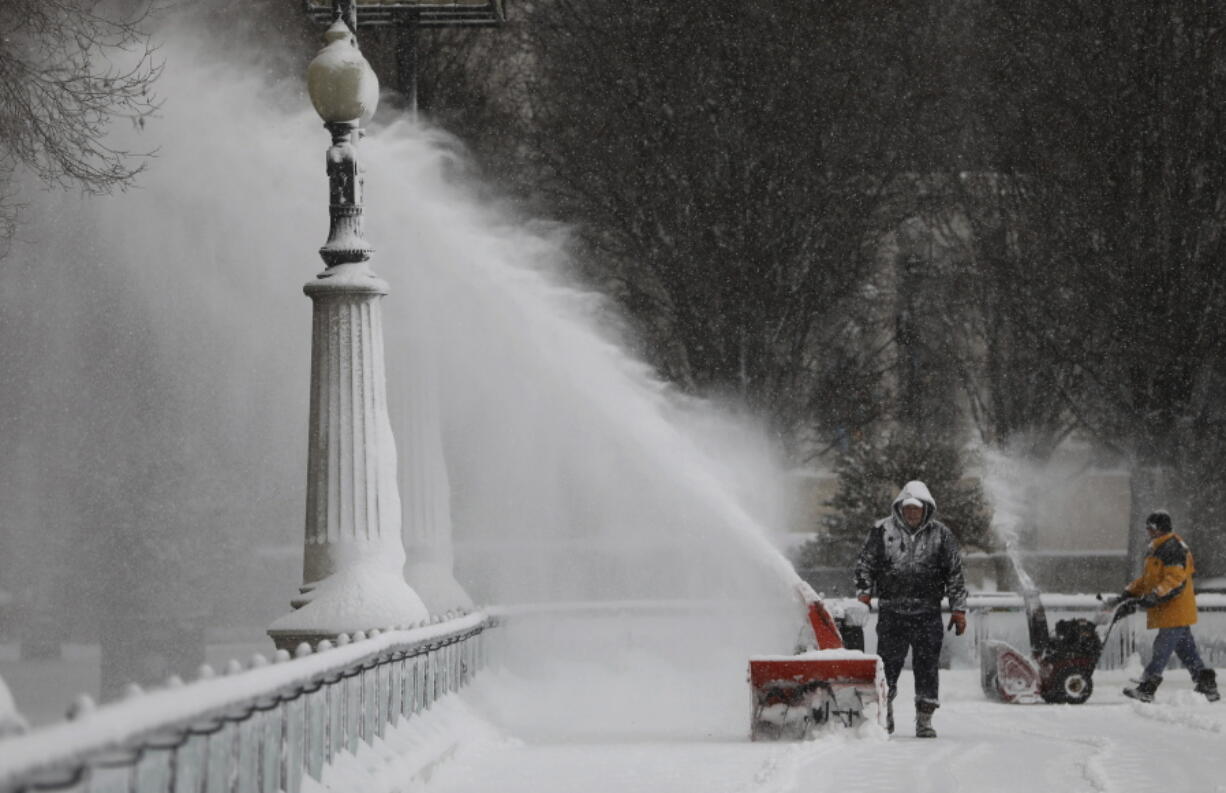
(513, 741)
(638, 716)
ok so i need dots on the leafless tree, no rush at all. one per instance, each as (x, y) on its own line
(731, 169)
(68, 70)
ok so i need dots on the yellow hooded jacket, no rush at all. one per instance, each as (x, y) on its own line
(1168, 574)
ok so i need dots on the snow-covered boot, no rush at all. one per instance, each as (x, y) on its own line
(1206, 683)
(1144, 690)
(923, 722)
(889, 716)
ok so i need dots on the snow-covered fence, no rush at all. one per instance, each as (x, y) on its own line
(1002, 616)
(258, 730)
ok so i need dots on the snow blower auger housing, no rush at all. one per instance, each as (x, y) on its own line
(1059, 669)
(824, 684)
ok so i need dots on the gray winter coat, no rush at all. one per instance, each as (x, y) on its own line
(910, 570)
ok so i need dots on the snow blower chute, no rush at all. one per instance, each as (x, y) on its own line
(1059, 669)
(823, 684)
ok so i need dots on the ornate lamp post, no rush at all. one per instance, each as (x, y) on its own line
(423, 482)
(409, 16)
(353, 560)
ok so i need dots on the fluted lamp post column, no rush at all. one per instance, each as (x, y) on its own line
(354, 555)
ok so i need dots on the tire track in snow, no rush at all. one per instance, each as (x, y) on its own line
(1119, 758)
(1093, 769)
(1090, 766)
(798, 766)
(865, 765)
(1042, 758)
(780, 771)
(995, 755)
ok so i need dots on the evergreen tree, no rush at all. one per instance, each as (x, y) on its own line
(870, 476)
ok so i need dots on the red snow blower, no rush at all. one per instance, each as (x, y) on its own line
(828, 684)
(1059, 669)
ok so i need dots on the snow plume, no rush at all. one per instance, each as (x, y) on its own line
(1057, 504)
(1011, 486)
(575, 473)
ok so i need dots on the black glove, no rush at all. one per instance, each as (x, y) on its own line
(1149, 601)
(1114, 601)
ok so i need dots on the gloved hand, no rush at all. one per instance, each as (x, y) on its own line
(1114, 601)
(957, 621)
(1148, 601)
(865, 598)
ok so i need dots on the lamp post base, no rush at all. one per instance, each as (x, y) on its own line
(354, 599)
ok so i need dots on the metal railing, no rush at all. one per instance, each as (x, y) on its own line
(1001, 616)
(258, 730)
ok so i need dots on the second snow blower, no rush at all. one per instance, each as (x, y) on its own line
(824, 684)
(1059, 669)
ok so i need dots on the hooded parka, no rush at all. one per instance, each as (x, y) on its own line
(1168, 575)
(911, 570)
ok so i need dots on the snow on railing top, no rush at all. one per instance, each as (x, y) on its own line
(178, 706)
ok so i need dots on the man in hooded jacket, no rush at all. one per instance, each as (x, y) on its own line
(911, 561)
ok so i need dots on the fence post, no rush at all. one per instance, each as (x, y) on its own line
(219, 767)
(249, 732)
(189, 762)
(295, 727)
(427, 681)
(272, 731)
(440, 674)
(383, 685)
(335, 688)
(315, 704)
(370, 701)
(353, 710)
(395, 681)
(112, 772)
(415, 700)
(153, 771)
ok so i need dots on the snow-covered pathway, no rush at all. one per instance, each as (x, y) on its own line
(1110, 745)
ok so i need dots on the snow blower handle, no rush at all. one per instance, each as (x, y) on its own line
(1116, 608)
(1123, 606)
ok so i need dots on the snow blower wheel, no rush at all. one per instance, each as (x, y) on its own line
(1071, 687)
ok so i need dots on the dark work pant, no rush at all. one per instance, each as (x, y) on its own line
(920, 633)
(1174, 640)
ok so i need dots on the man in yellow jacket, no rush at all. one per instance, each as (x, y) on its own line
(1165, 590)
